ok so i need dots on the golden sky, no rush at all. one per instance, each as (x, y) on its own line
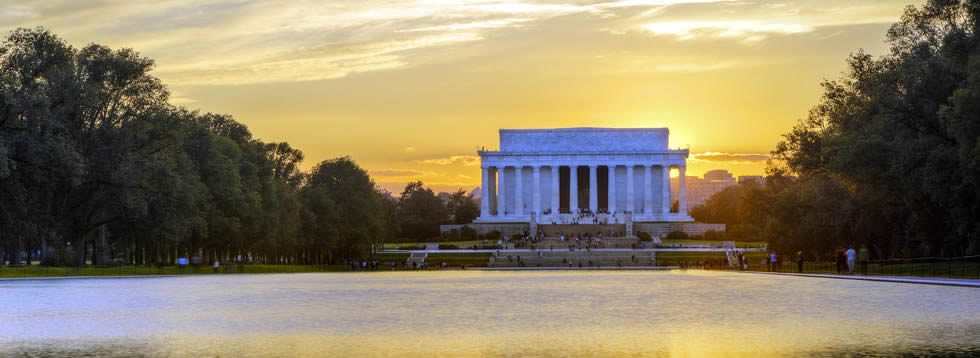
(409, 89)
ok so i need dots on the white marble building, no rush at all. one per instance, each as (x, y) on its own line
(568, 171)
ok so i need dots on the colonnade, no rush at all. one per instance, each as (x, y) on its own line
(498, 181)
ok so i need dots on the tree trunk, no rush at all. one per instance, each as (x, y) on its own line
(99, 248)
(13, 252)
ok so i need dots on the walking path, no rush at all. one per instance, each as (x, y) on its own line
(48, 278)
(943, 281)
(574, 268)
(565, 249)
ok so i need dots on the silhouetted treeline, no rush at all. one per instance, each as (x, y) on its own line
(96, 164)
(890, 157)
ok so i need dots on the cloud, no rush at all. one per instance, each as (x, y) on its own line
(396, 173)
(220, 42)
(466, 160)
(693, 67)
(489, 24)
(746, 30)
(730, 157)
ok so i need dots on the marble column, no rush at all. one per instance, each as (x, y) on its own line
(501, 192)
(647, 189)
(485, 194)
(573, 188)
(555, 191)
(666, 190)
(518, 191)
(593, 189)
(629, 188)
(612, 189)
(682, 191)
(536, 196)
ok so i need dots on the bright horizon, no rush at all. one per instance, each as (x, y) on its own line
(410, 89)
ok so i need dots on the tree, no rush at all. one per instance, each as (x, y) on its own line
(894, 143)
(462, 208)
(95, 161)
(420, 212)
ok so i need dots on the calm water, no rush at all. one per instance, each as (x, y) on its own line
(474, 313)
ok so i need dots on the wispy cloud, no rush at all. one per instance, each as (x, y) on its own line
(465, 160)
(488, 24)
(730, 157)
(693, 67)
(746, 30)
(395, 173)
(221, 42)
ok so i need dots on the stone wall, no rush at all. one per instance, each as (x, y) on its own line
(661, 229)
(592, 140)
(481, 228)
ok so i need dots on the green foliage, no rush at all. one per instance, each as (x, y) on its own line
(420, 212)
(887, 158)
(467, 233)
(712, 235)
(88, 140)
(448, 247)
(644, 236)
(677, 235)
(492, 236)
(462, 208)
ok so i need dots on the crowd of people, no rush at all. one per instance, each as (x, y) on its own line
(846, 261)
(581, 216)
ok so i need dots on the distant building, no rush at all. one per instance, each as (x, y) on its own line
(699, 190)
(756, 178)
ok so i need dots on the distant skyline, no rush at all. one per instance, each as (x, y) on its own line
(410, 89)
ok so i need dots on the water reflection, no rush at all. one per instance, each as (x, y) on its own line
(486, 314)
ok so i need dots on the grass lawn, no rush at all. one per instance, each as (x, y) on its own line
(387, 257)
(50, 271)
(751, 244)
(958, 269)
(453, 260)
(394, 246)
(674, 258)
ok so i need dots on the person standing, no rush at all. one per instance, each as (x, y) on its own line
(851, 257)
(863, 257)
(799, 261)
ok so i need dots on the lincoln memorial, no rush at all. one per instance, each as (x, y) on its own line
(566, 175)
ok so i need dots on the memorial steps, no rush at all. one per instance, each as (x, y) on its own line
(607, 243)
(555, 229)
(559, 258)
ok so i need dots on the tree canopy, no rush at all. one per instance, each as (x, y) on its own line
(94, 160)
(889, 157)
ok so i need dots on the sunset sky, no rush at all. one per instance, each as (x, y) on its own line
(409, 89)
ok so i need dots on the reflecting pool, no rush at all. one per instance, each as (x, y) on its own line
(479, 313)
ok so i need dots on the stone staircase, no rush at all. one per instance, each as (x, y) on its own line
(417, 257)
(551, 230)
(607, 243)
(565, 258)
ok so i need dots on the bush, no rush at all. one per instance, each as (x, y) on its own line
(448, 247)
(451, 235)
(492, 236)
(411, 248)
(712, 235)
(677, 235)
(644, 236)
(467, 233)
